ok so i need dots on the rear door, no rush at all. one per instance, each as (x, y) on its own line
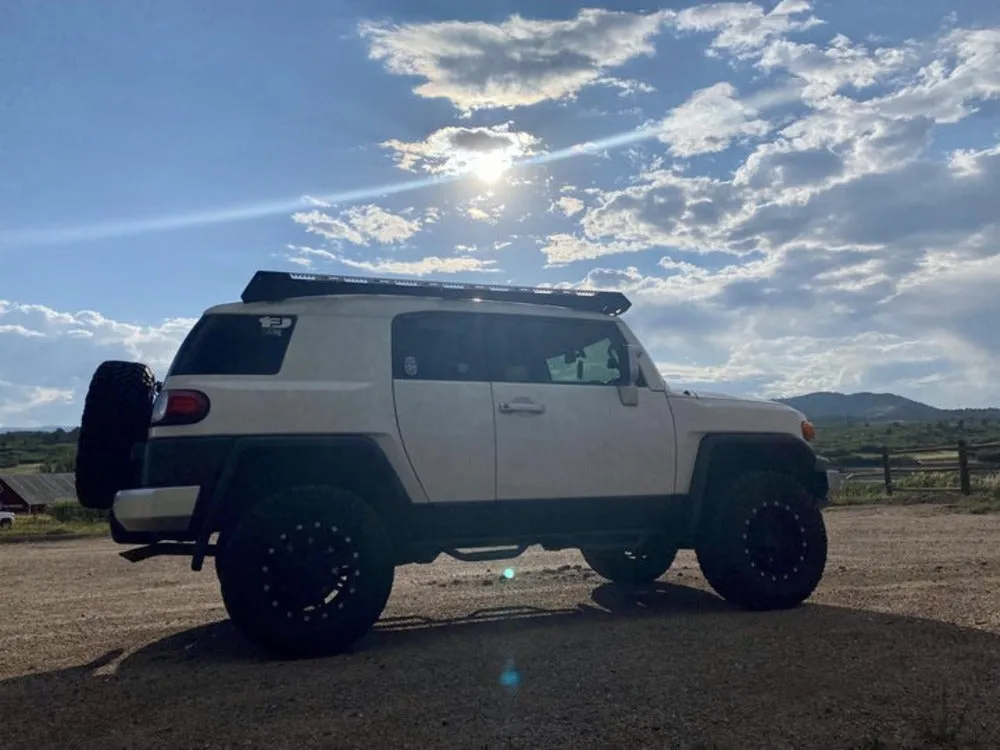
(562, 430)
(444, 404)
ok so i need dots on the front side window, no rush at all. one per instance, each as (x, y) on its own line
(525, 349)
(437, 346)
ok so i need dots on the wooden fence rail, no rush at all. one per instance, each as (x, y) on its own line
(962, 467)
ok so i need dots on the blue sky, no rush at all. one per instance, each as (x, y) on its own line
(797, 196)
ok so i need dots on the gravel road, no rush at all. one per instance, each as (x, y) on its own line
(901, 642)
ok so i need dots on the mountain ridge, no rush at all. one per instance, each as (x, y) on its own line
(878, 407)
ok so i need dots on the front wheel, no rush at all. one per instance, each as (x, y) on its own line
(764, 545)
(307, 571)
(632, 567)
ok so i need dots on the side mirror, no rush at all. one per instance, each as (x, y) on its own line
(634, 367)
(628, 394)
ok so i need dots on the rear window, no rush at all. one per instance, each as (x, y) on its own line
(235, 345)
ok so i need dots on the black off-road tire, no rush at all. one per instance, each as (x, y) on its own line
(6, 523)
(116, 416)
(632, 567)
(307, 571)
(764, 545)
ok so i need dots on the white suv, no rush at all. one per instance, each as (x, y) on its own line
(330, 429)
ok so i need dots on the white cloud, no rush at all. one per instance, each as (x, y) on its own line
(850, 172)
(432, 264)
(663, 209)
(860, 257)
(964, 68)
(627, 87)
(457, 150)
(744, 28)
(360, 225)
(519, 62)
(47, 357)
(154, 344)
(709, 121)
(568, 205)
(18, 400)
(18, 330)
(485, 208)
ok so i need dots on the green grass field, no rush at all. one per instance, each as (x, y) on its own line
(926, 487)
(48, 527)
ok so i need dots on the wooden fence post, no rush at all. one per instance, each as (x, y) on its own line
(963, 468)
(886, 471)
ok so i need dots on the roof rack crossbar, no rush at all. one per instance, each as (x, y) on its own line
(274, 286)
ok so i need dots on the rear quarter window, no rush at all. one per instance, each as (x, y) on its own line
(233, 344)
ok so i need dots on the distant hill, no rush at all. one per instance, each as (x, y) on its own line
(878, 407)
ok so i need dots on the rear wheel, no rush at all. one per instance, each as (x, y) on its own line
(116, 415)
(6, 523)
(643, 565)
(307, 571)
(765, 544)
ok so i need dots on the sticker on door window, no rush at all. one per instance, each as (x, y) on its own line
(410, 366)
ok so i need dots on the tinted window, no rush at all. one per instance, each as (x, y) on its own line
(235, 345)
(437, 346)
(524, 349)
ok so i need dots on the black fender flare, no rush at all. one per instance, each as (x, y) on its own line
(252, 450)
(773, 450)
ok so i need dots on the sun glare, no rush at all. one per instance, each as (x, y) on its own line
(489, 167)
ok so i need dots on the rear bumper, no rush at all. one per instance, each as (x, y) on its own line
(163, 509)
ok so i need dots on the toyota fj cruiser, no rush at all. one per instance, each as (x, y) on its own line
(327, 429)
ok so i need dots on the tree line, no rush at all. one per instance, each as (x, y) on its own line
(53, 451)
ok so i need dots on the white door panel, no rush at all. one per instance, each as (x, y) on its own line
(562, 430)
(564, 441)
(448, 433)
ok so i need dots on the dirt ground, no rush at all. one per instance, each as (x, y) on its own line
(900, 647)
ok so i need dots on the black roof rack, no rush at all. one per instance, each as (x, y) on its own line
(273, 286)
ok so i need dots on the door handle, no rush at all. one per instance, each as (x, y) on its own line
(521, 407)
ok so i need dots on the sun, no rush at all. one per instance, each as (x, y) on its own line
(489, 167)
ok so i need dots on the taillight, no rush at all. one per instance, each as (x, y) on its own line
(179, 407)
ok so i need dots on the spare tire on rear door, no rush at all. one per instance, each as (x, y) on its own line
(116, 416)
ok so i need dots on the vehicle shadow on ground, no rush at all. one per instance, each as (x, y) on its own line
(220, 641)
(624, 668)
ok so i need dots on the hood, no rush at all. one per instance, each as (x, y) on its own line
(728, 397)
(703, 412)
(710, 397)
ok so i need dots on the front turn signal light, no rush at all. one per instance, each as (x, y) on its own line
(808, 430)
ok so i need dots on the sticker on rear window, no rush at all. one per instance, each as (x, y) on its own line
(410, 366)
(228, 344)
(272, 325)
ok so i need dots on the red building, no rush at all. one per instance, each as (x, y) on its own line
(34, 493)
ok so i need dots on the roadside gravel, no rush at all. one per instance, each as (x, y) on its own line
(901, 641)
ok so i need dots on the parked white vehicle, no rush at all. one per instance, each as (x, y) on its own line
(331, 429)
